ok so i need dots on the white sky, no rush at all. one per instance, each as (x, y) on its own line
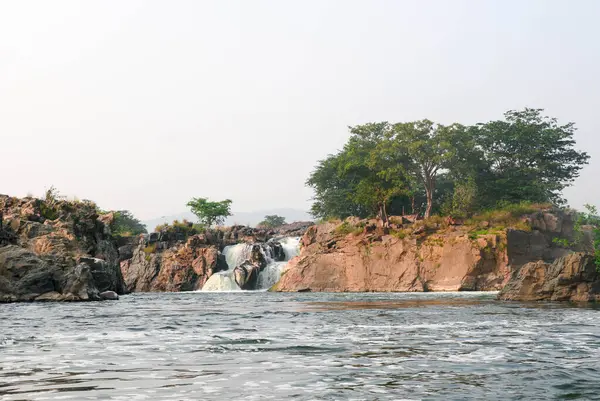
(142, 105)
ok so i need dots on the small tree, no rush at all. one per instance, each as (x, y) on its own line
(126, 224)
(272, 221)
(210, 213)
(464, 199)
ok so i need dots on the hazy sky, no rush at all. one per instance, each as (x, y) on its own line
(142, 105)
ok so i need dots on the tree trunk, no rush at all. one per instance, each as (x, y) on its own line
(429, 188)
(383, 215)
(386, 222)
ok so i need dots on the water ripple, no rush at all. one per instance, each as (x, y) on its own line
(256, 346)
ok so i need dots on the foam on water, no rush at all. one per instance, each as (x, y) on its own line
(237, 254)
(221, 281)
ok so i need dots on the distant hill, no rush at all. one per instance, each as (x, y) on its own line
(243, 218)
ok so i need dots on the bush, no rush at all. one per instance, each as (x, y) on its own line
(344, 229)
(463, 200)
(125, 224)
(509, 215)
(348, 228)
(187, 228)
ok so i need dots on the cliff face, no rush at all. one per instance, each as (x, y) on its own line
(574, 277)
(55, 250)
(172, 266)
(424, 256)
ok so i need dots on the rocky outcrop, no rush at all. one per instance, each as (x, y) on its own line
(573, 277)
(359, 255)
(179, 258)
(246, 274)
(55, 250)
(375, 261)
(179, 266)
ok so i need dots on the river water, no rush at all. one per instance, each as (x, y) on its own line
(261, 346)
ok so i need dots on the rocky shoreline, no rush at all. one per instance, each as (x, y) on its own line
(175, 261)
(58, 250)
(360, 255)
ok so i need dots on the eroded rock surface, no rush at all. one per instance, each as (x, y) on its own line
(420, 258)
(573, 277)
(55, 251)
(180, 266)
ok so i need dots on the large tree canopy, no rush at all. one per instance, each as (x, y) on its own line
(528, 156)
(525, 157)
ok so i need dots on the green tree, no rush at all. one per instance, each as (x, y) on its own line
(378, 173)
(272, 221)
(429, 149)
(334, 190)
(210, 213)
(463, 201)
(126, 224)
(525, 157)
(528, 157)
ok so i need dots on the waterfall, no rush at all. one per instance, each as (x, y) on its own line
(237, 254)
(221, 281)
(291, 247)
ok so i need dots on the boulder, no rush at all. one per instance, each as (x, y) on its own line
(109, 296)
(24, 276)
(107, 276)
(125, 252)
(277, 251)
(246, 275)
(573, 277)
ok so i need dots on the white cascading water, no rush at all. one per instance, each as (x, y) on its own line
(237, 254)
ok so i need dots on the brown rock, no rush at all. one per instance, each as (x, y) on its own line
(448, 262)
(47, 240)
(181, 267)
(573, 277)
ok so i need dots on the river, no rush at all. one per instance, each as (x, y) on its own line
(260, 346)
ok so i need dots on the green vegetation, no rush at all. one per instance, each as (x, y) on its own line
(210, 213)
(187, 228)
(426, 168)
(272, 221)
(508, 215)
(50, 205)
(125, 224)
(348, 228)
(590, 220)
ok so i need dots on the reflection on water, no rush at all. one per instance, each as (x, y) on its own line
(251, 346)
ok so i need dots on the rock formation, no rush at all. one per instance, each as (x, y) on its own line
(55, 250)
(573, 277)
(179, 258)
(172, 266)
(360, 255)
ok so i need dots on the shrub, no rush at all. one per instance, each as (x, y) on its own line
(463, 200)
(508, 215)
(344, 229)
(125, 224)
